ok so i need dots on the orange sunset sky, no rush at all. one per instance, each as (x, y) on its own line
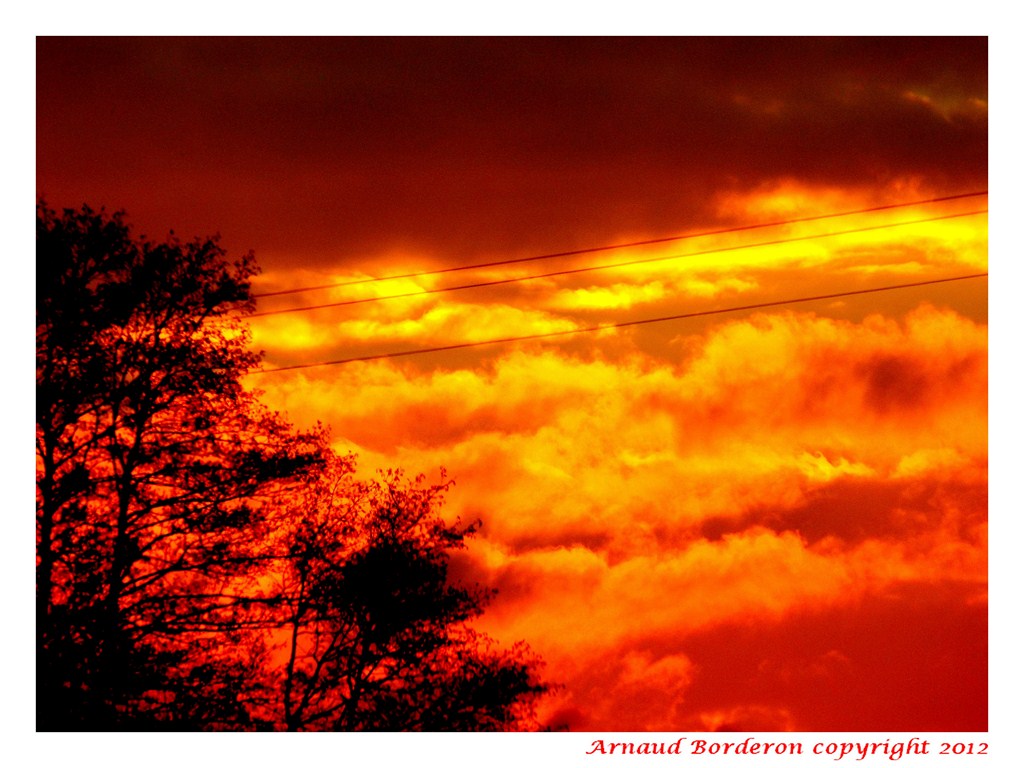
(772, 518)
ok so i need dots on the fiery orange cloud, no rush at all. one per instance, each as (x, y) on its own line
(778, 464)
(705, 273)
(294, 336)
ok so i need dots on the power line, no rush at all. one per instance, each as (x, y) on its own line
(578, 270)
(624, 324)
(707, 233)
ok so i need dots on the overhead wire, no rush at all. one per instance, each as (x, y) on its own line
(622, 324)
(635, 262)
(633, 244)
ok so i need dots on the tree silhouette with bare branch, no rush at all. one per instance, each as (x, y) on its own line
(202, 564)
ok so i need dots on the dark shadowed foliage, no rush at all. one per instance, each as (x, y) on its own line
(189, 563)
(378, 638)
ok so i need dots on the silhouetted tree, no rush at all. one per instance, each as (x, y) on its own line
(377, 631)
(150, 462)
(199, 563)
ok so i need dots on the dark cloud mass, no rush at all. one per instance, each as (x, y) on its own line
(850, 681)
(338, 149)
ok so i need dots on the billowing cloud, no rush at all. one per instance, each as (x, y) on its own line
(782, 463)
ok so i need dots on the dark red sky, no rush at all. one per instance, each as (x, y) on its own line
(336, 150)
